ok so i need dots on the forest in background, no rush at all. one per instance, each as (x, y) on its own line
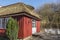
(50, 16)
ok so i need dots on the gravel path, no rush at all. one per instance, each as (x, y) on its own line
(45, 36)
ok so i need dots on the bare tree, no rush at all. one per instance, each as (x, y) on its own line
(51, 15)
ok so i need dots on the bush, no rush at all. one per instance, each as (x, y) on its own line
(12, 29)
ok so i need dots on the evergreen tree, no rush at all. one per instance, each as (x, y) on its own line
(12, 29)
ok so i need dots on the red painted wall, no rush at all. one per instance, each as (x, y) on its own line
(25, 26)
(21, 26)
(38, 26)
(2, 32)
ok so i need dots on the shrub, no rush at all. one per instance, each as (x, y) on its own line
(12, 29)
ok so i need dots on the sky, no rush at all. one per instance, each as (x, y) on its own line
(34, 3)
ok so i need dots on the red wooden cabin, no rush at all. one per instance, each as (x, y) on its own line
(28, 20)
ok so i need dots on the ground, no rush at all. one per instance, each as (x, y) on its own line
(45, 36)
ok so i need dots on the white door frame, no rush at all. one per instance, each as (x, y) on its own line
(33, 26)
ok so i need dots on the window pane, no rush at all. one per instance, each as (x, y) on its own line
(6, 20)
(1, 23)
(33, 23)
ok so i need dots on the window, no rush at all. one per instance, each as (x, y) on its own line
(0, 23)
(6, 20)
(33, 23)
(3, 22)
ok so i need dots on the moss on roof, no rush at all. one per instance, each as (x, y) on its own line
(16, 8)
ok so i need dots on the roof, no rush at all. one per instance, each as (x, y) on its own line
(16, 8)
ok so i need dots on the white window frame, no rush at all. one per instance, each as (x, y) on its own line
(3, 26)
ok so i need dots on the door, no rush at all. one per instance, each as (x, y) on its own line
(33, 26)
